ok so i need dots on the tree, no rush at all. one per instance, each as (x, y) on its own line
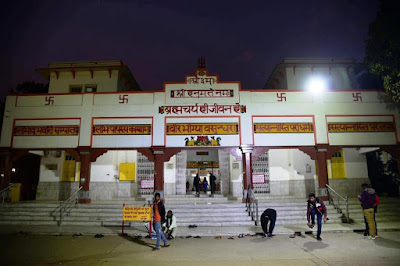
(383, 48)
(32, 87)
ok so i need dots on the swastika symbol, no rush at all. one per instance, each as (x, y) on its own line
(281, 97)
(49, 100)
(357, 97)
(123, 99)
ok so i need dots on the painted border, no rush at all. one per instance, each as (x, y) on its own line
(388, 115)
(179, 117)
(312, 116)
(34, 119)
(121, 117)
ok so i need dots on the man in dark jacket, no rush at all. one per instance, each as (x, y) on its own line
(316, 206)
(196, 184)
(269, 215)
(368, 200)
(213, 185)
(159, 219)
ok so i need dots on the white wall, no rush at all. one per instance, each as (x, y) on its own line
(100, 78)
(107, 165)
(356, 164)
(47, 175)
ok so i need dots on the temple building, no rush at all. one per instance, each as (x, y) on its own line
(311, 125)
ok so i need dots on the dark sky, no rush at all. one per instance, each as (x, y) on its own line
(161, 40)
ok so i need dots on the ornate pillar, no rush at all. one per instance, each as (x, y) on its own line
(247, 170)
(158, 153)
(322, 173)
(84, 182)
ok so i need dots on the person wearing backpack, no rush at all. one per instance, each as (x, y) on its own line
(377, 202)
(205, 185)
(368, 202)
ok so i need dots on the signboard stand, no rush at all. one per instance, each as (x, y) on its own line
(135, 214)
(123, 222)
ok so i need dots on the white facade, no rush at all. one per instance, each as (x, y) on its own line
(221, 113)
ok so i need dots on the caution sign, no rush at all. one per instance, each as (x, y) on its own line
(136, 213)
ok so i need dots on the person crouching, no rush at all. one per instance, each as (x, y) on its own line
(169, 227)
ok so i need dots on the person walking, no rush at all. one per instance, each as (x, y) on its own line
(316, 207)
(196, 184)
(205, 185)
(368, 201)
(170, 226)
(159, 218)
(269, 215)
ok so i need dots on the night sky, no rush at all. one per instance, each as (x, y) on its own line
(161, 40)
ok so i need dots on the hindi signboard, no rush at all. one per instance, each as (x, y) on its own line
(147, 183)
(136, 213)
(258, 178)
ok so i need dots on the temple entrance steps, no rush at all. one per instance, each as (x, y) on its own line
(203, 212)
(294, 209)
(388, 210)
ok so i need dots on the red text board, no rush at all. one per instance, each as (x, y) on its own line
(136, 213)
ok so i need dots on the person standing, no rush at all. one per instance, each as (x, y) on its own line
(269, 215)
(213, 185)
(368, 201)
(170, 225)
(316, 207)
(196, 184)
(205, 185)
(159, 218)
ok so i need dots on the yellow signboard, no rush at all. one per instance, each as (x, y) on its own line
(283, 128)
(203, 129)
(136, 213)
(350, 127)
(122, 129)
(127, 171)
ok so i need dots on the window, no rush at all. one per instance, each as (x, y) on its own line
(90, 88)
(75, 88)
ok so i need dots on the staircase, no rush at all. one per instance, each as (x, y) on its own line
(218, 211)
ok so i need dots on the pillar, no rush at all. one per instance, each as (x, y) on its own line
(158, 153)
(6, 169)
(247, 170)
(84, 181)
(322, 174)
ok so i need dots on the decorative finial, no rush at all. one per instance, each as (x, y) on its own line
(202, 62)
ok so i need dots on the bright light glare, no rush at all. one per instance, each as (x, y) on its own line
(317, 85)
(13, 170)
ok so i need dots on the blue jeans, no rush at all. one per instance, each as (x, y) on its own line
(319, 220)
(160, 234)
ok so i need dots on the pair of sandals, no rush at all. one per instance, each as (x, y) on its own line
(192, 226)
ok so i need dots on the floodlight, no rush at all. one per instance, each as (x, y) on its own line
(316, 85)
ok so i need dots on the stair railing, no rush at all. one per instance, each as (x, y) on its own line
(3, 192)
(331, 193)
(66, 206)
(252, 206)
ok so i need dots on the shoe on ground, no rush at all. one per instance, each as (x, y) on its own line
(165, 245)
(365, 234)
(155, 249)
(319, 238)
(376, 235)
(371, 237)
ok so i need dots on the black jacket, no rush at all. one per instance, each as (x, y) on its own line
(161, 210)
(271, 213)
(196, 181)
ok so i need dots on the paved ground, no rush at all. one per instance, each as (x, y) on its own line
(335, 249)
(185, 231)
